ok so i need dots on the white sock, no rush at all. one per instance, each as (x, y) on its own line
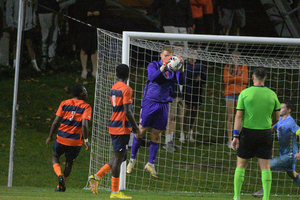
(168, 138)
(171, 136)
(182, 135)
(191, 132)
(34, 62)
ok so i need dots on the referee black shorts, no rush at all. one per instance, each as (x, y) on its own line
(255, 143)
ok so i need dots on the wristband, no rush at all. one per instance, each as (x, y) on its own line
(236, 132)
(86, 140)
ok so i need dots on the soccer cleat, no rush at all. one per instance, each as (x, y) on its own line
(130, 165)
(61, 183)
(259, 193)
(150, 168)
(119, 195)
(169, 147)
(94, 182)
(57, 189)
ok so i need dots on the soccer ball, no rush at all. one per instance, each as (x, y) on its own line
(174, 64)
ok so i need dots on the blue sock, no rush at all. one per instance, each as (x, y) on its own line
(297, 180)
(136, 143)
(153, 148)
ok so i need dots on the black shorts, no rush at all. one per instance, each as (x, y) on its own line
(255, 143)
(120, 142)
(88, 42)
(29, 34)
(71, 152)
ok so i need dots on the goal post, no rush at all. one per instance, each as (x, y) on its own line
(206, 165)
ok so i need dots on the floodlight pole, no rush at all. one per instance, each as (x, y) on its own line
(15, 101)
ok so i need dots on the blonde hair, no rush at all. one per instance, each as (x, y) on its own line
(231, 67)
(168, 48)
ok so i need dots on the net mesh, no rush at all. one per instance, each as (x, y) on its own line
(206, 165)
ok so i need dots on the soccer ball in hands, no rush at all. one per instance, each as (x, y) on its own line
(175, 63)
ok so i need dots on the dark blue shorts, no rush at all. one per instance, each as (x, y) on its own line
(120, 142)
(154, 115)
(70, 152)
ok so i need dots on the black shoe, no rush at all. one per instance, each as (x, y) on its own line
(53, 64)
(57, 189)
(61, 183)
(44, 64)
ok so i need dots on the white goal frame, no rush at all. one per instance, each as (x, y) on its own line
(127, 35)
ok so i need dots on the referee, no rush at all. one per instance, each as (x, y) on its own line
(254, 118)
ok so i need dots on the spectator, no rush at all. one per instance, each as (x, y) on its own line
(175, 16)
(236, 79)
(231, 15)
(202, 11)
(1, 22)
(176, 109)
(91, 12)
(12, 17)
(48, 16)
(252, 135)
(195, 79)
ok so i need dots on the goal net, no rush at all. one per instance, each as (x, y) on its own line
(206, 165)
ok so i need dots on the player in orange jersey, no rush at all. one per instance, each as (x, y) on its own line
(119, 127)
(71, 123)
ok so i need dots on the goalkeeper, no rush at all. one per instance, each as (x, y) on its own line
(158, 93)
(119, 127)
(287, 131)
(254, 118)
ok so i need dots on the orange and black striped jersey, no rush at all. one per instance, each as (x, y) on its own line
(72, 111)
(120, 94)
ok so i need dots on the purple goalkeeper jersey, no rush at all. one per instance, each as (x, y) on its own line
(160, 86)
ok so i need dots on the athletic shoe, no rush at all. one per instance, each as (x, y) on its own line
(259, 193)
(119, 195)
(229, 144)
(130, 166)
(61, 183)
(94, 74)
(84, 74)
(169, 147)
(34, 65)
(190, 138)
(94, 182)
(150, 168)
(57, 189)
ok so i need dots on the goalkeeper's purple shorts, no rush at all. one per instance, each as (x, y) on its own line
(154, 115)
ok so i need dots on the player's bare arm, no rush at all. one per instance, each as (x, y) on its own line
(85, 125)
(130, 117)
(55, 125)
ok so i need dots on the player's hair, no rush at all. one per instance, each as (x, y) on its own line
(260, 73)
(289, 104)
(122, 71)
(77, 89)
(168, 48)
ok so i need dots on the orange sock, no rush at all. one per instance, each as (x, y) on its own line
(115, 182)
(66, 178)
(57, 169)
(103, 170)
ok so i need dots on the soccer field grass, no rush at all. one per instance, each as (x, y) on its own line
(29, 193)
